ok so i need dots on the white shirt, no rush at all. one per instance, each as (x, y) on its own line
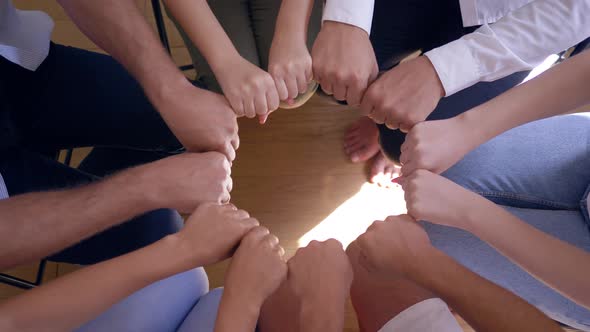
(24, 35)
(522, 35)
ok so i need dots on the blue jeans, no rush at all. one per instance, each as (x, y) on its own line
(79, 98)
(540, 172)
(180, 303)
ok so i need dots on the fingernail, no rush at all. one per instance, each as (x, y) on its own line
(290, 101)
(396, 180)
(354, 158)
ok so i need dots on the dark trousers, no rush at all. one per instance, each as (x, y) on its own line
(403, 26)
(78, 98)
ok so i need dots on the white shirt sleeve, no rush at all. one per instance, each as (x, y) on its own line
(354, 12)
(519, 41)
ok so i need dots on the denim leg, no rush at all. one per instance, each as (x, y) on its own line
(203, 315)
(543, 164)
(25, 171)
(160, 307)
(476, 255)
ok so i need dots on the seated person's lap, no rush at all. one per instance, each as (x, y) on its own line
(568, 226)
(163, 306)
(543, 164)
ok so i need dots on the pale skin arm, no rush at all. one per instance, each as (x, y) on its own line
(70, 301)
(560, 90)
(30, 217)
(560, 265)
(483, 304)
(209, 236)
(202, 26)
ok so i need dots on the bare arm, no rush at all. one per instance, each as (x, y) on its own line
(88, 210)
(559, 90)
(201, 120)
(208, 237)
(558, 264)
(483, 304)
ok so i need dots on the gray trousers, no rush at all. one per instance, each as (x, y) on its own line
(250, 25)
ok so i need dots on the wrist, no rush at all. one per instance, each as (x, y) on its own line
(426, 267)
(225, 61)
(242, 299)
(322, 312)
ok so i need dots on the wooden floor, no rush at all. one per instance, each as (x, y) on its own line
(291, 173)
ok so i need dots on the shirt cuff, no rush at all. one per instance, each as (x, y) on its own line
(353, 12)
(455, 65)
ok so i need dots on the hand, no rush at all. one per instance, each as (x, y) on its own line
(393, 247)
(438, 145)
(438, 200)
(404, 96)
(250, 90)
(290, 67)
(212, 232)
(184, 181)
(344, 62)
(203, 121)
(321, 270)
(257, 268)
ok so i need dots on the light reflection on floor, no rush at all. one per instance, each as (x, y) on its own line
(353, 217)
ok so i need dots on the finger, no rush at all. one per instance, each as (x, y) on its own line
(235, 142)
(249, 108)
(340, 91)
(262, 118)
(281, 251)
(301, 83)
(409, 168)
(261, 107)
(272, 239)
(240, 214)
(229, 152)
(405, 128)
(366, 106)
(404, 158)
(327, 88)
(259, 232)
(354, 95)
(272, 99)
(292, 87)
(281, 88)
(225, 198)
(250, 223)
(238, 107)
(308, 74)
(230, 184)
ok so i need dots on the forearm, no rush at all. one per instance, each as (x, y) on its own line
(484, 305)
(69, 215)
(68, 302)
(293, 20)
(559, 90)
(118, 27)
(236, 314)
(322, 313)
(204, 30)
(558, 264)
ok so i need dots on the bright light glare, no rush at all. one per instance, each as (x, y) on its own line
(546, 64)
(353, 217)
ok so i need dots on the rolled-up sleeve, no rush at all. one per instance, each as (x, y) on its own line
(354, 12)
(519, 41)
